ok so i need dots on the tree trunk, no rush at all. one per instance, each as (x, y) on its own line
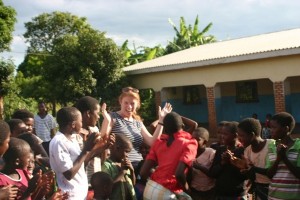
(1, 108)
(54, 108)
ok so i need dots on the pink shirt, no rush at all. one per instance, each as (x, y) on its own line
(183, 149)
(21, 183)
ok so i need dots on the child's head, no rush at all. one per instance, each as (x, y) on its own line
(121, 148)
(90, 109)
(219, 129)
(26, 116)
(17, 127)
(202, 136)
(31, 164)
(172, 123)
(102, 184)
(4, 137)
(248, 130)
(69, 117)
(282, 124)
(18, 154)
(229, 133)
(32, 140)
(144, 150)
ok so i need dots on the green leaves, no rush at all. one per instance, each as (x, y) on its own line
(7, 22)
(188, 36)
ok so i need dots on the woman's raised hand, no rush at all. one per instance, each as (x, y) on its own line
(163, 112)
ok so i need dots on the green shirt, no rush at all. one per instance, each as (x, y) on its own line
(120, 188)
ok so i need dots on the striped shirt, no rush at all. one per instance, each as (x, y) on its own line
(43, 126)
(284, 185)
(132, 130)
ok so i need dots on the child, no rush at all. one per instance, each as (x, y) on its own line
(15, 171)
(202, 186)
(218, 143)
(6, 192)
(255, 154)
(230, 183)
(27, 117)
(17, 127)
(66, 158)
(102, 184)
(141, 183)
(90, 109)
(172, 154)
(120, 169)
(284, 161)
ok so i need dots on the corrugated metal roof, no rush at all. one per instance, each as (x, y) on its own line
(216, 52)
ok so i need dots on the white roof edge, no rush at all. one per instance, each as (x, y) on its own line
(216, 61)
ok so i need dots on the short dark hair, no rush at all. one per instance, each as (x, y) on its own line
(13, 123)
(22, 114)
(172, 123)
(32, 140)
(231, 126)
(15, 149)
(202, 132)
(86, 103)
(250, 125)
(66, 115)
(284, 119)
(4, 131)
(99, 179)
(122, 140)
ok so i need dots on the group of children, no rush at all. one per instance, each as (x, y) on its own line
(84, 163)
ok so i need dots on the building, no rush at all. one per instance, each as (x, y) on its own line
(228, 80)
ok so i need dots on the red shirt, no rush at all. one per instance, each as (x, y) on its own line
(183, 149)
(21, 183)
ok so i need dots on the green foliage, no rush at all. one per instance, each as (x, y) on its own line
(140, 54)
(7, 22)
(14, 100)
(7, 68)
(45, 29)
(188, 36)
(70, 59)
(148, 107)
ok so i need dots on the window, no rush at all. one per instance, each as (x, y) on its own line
(246, 92)
(191, 95)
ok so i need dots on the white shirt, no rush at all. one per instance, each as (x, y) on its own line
(43, 126)
(63, 152)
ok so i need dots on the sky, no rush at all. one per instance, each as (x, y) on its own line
(145, 22)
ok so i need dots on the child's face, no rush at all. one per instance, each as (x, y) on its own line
(121, 152)
(20, 128)
(25, 159)
(227, 137)
(144, 150)
(29, 122)
(94, 116)
(201, 141)
(78, 123)
(244, 137)
(4, 146)
(31, 164)
(277, 131)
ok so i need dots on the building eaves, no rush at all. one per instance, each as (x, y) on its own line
(250, 48)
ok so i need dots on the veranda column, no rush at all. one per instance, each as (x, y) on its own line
(279, 96)
(212, 118)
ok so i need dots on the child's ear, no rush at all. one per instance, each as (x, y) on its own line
(287, 129)
(88, 113)
(17, 162)
(73, 124)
